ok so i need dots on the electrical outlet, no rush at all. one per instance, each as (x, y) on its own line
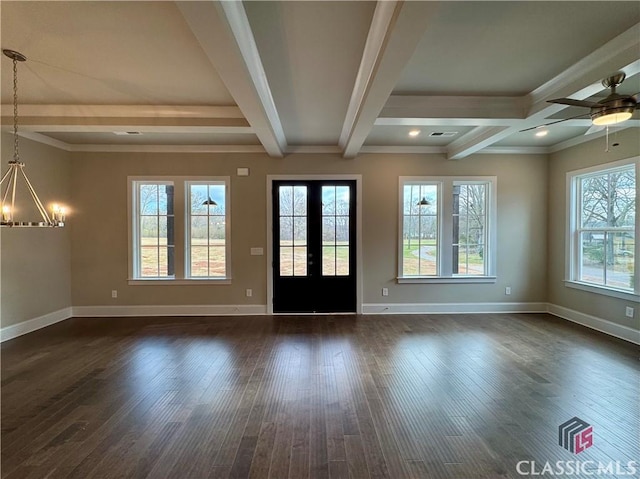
(629, 312)
(385, 291)
(114, 293)
(249, 293)
(507, 290)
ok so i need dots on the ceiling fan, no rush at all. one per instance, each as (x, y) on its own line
(615, 108)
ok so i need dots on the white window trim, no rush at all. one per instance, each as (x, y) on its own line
(572, 253)
(445, 229)
(181, 216)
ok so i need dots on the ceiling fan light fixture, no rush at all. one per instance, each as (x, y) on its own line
(608, 117)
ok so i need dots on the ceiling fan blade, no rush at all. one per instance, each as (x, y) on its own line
(572, 102)
(554, 122)
(594, 129)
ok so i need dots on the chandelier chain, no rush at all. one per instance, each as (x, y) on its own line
(15, 110)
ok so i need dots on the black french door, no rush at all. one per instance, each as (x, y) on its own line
(314, 246)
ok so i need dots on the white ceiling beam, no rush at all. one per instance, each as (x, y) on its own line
(124, 111)
(476, 140)
(224, 33)
(88, 128)
(395, 31)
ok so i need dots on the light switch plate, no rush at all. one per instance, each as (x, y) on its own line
(257, 251)
(242, 171)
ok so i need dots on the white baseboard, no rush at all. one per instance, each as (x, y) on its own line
(34, 324)
(170, 310)
(599, 324)
(452, 308)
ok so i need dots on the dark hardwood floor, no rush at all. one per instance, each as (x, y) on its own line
(443, 396)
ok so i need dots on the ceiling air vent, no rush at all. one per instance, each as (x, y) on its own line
(127, 133)
(444, 133)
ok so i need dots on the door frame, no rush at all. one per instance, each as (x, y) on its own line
(270, 180)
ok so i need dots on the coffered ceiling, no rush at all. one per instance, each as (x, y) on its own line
(341, 77)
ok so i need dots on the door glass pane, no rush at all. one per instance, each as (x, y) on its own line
(300, 231)
(300, 200)
(335, 230)
(328, 261)
(286, 231)
(300, 261)
(293, 230)
(286, 261)
(342, 261)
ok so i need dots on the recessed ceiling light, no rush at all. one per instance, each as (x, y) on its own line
(542, 133)
(414, 132)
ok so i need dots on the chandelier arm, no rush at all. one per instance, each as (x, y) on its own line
(36, 200)
(10, 186)
(5, 176)
(13, 191)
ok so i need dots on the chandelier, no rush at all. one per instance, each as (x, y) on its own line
(16, 172)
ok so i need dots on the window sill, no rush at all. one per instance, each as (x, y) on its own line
(177, 282)
(614, 293)
(445, 279)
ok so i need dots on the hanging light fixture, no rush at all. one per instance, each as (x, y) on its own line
(16, 170)
(209, 202)
(424, 202)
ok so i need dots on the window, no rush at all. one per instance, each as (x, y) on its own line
(602, 226)
(179, 229)
(447, 229)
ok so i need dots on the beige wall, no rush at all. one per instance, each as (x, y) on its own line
(35, 272)
(578, 157)
(99, 260)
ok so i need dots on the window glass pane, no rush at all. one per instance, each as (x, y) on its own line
(608, 199)
(199, 230)
(165, 194)
(149, 199)
(300, 261)
(198, 195)
(217, 260)
(427, 265)
(149, 230)
(592, 257)
(199, 261)
(620, 260)
(217, 230)
(469, 218)
(342, 200)
(342, 261)
(328, 261)
(286, 261)
(149, 261)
